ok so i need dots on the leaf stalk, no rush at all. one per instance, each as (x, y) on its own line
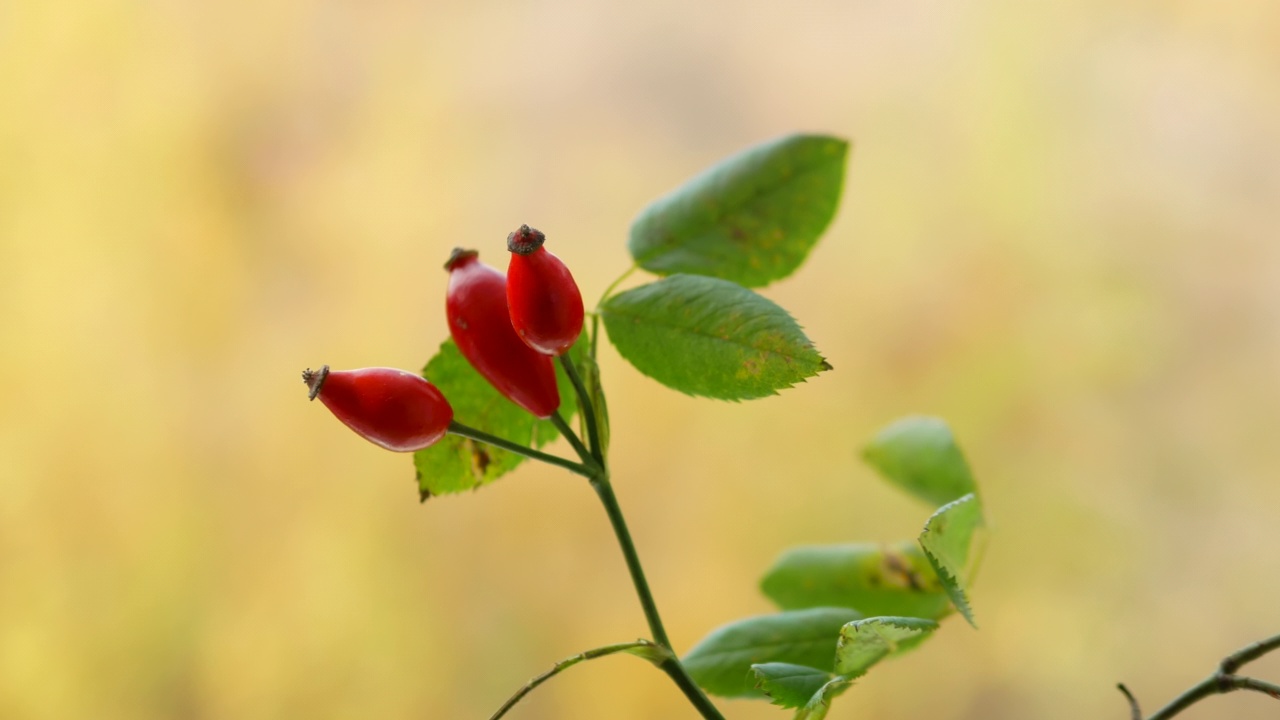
(467, 431)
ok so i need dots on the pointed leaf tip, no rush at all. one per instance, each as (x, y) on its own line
(947, 541)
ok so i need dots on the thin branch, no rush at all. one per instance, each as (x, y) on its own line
(1224, 680)
(1266, 688)
(1215, 684)
(588, 410)
(587, 458)
(609, 290)
(1135, 712)
(1239, 658)
(569, 662)
(467, 431)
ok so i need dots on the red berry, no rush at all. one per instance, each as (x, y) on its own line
(393, 408)
(546, 307)
(476, 306)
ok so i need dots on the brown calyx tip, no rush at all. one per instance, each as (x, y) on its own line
(458, 256)
(315, 380)
(525, 240)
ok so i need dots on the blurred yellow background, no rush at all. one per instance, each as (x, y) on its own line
(1059, 232)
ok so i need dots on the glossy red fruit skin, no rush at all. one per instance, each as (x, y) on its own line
(476, 307)
(546, 305)
(395, 409)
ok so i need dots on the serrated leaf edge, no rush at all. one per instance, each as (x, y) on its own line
(820, 699)
(950, 582)
(605, 311)
(921, 627)
(761, 681)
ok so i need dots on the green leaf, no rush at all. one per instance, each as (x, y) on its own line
(864, 643)
(920, 456)
(789, 685)
(751, 219)
(947, 539)
(456, 463)
(721, 662)
(820, 703)
(874, 579)
(709, 337)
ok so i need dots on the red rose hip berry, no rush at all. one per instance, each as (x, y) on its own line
(393, 408)
(476, 307)
(546, 306)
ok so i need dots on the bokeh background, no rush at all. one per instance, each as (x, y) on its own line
(1060, 232)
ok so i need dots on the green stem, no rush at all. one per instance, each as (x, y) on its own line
(1249, 653)
(466, 431)
(595, 335)
(1248, 683)
(609, 290)
(588, 410)
(588, 458)
(1224, 680)
(605, 490)
(1135, 712)
(672, 666)
(565, 665)
(1215, 684)
(696, 697)
(596, 470)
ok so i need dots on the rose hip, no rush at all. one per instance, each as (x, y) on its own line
(546, 306)
(476, 307)
(396, 409)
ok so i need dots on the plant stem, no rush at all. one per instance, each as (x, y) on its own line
(609, 290)
(466, 431)
(565, 665)
(588, 410)
(672, 666)
(605, 490)
(599, 478)
(1224, 680)
(697, 698)
(1215, 684)
(1249, 653)
(588, 458)
(1135, 712)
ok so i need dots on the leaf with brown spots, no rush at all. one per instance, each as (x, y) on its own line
(752, 219)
